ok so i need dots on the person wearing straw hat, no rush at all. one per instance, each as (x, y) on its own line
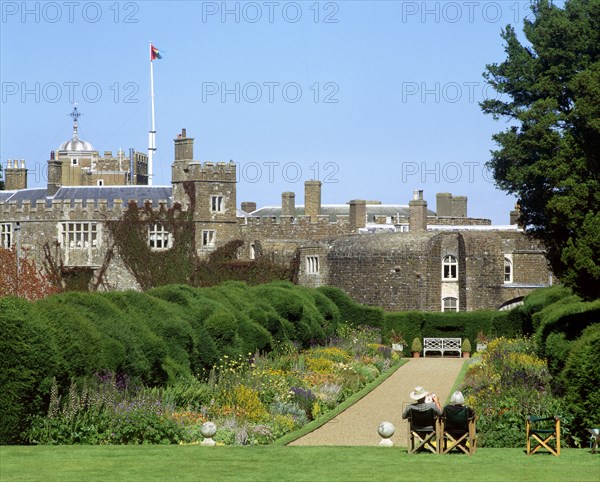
(422, 403)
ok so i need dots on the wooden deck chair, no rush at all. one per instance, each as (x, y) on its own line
(423, 431)
(543, 430)
(594, 438)
(458, 430)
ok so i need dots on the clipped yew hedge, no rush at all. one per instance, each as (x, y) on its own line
(465, 325)
(154, 338)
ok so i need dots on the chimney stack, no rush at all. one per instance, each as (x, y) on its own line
(417, 213)
(248, 206)
(288, 204)
(312, 199)
(184, 147)
(358, 214)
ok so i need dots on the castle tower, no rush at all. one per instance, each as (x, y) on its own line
(312, 199)
(417, 213)
(288, 204)
(209, 191)
(15, 176)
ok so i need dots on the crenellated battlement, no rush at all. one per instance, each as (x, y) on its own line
(288, 227)
(206, 172)
(76, 209)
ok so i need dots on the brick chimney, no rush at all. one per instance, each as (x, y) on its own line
(443, 204)
(248, 206)
(417, 213)
(312, 199)
(55, 168)
(184, 147)
(288, 204)
(15, 176)
(358, 214)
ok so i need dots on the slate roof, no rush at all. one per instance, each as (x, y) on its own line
(85, 193)
(334, 210)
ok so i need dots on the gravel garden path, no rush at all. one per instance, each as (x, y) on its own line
(358, 424)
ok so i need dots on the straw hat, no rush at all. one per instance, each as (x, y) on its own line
(419, 393)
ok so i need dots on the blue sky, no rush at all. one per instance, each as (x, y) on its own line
(374, 98)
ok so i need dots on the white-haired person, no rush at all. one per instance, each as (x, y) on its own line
(456, 414)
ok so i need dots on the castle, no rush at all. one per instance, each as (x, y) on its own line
(398, 257)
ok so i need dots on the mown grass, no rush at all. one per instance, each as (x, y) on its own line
(271, 463)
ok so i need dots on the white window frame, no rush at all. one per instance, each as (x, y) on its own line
(79, 234)
(252, 251)
(508, 274)
(209, 238)
(450, 304)
(312, 265)
(74, 162)
(450, 268)
(159, 239)
(217, 204)
(6, 235)
(100, 182)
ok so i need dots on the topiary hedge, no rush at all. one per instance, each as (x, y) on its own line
(153, 338)
(351, 312)
(581, 379)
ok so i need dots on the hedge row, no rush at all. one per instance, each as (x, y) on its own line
(352, 312)
(153, 338)
(566, 331)
(413, 324)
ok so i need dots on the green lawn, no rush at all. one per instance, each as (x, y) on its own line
(348, 464)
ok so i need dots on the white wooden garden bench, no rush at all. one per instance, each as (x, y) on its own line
(442, 345)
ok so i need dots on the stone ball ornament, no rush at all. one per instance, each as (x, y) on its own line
(208, 431)
(385, 431)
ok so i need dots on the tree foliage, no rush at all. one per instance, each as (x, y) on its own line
(549, 156)
(1, 181)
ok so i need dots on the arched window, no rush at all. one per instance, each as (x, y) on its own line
(508, 271)
(450, 304)
(450, 268)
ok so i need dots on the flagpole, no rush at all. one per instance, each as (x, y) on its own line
(152, 133)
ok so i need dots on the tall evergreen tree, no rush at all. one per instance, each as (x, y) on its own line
(549, 156)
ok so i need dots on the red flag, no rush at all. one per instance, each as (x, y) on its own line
(154, 53)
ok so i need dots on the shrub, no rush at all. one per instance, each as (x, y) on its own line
(466, 346)
(352, 312)
(508, 384)
(416, 346)
(581, 379)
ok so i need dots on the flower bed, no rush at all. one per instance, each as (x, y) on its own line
(253, 399)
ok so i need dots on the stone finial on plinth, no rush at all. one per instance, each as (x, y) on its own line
(386, 430)
(208, 431)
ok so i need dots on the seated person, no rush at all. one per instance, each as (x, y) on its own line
(423, 405)
(457, 415)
